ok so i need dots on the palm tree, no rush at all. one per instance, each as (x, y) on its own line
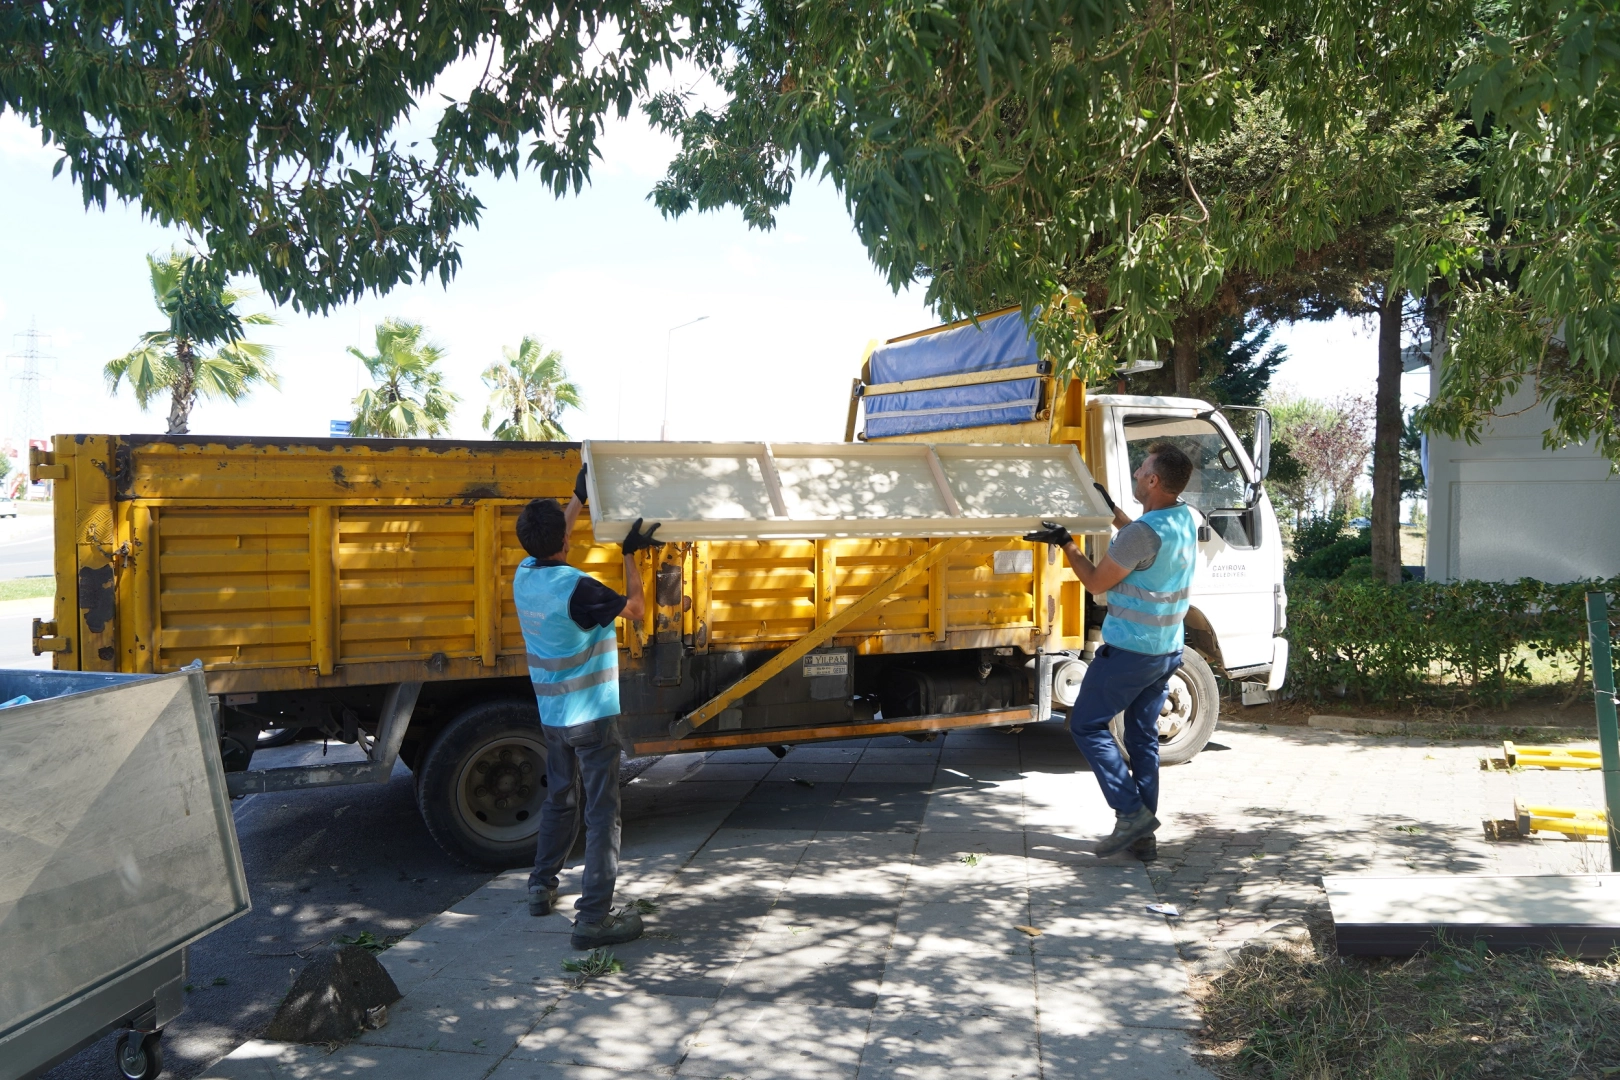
(529, 392)
(409, 398)
(203, 350)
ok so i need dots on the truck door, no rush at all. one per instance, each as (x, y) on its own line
(1234, 585)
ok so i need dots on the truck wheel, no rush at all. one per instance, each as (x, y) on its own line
(1190, 712)
(482, 782)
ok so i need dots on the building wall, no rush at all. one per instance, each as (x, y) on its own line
(1507, 508)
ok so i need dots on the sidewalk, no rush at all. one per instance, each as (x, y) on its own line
(865, 927)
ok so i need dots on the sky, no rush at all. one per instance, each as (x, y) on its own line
(600, 276)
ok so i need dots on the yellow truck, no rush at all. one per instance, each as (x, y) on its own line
(363, 587)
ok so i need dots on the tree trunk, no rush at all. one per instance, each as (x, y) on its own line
(185, 388)
(1184, 355)
(1386, 479)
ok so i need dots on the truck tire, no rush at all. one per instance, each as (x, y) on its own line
(481, 784)
(1187, 721)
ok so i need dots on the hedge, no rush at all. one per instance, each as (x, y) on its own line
(1464, 642)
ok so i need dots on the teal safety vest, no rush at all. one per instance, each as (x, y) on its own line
(1145, 611)
(575, 672)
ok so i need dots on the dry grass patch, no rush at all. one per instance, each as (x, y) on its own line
(1452, 1012)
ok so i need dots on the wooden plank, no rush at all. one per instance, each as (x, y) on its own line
(1398, 916)
(942, 722)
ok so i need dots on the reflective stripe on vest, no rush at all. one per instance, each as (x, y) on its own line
(575, 672)
(1146, 610)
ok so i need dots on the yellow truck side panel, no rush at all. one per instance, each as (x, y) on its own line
(293, 565)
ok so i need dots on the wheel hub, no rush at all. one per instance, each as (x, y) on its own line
(502, 789)
(1176, 712)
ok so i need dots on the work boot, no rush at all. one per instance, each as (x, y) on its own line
(1146, 848)
(542, 901)
(615, 929)
(1127, 830)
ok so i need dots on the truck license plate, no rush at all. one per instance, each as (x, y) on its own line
(819, 665)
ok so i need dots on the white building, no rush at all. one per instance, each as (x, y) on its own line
(1508, 508)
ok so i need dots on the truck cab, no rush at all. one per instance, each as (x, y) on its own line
(983, 381)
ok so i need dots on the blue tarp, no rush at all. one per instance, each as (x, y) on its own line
(1009, 402)
(1001, 342)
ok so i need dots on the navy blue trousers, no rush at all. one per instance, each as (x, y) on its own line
(1136, 684)
(582, 765)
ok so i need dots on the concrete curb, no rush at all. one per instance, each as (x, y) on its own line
(1424, 729)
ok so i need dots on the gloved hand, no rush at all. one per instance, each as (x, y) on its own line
(637, 540)
(579, 484)
(1050, 533)
(1100, 490)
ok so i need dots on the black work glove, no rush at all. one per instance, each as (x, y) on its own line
(636, 540)
(1100, 490)
(579, 484)
(1050, 533)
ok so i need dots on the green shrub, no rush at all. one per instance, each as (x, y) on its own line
(1317, 533)
(1328, 563)
(1377, 642)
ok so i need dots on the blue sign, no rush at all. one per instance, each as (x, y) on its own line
(339, 429)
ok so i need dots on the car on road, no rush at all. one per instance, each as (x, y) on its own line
(8, 507)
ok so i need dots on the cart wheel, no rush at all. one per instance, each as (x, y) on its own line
(139, 1056)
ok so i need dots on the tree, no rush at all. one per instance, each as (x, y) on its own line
(202, 351)
(409, 398)
(1239, 361)
(1329, 442)
(982, 146)
(529, 391)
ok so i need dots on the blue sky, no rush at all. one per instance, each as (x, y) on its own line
(600, 276)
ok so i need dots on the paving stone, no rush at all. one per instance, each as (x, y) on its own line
(751, 1040)
(609, 1027)
(1121, 1054)
(463, 1016)
(811, 974)
(919, 1039)
(256, 1060)
(1078, 995)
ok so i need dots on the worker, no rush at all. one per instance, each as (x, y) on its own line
(1146, 573)
(567, 620)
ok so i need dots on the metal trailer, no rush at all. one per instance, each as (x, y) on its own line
(117, 852)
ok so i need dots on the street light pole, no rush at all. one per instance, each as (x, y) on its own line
(669, 344)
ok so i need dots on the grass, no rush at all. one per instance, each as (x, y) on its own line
(27, 588)
(1451, 1012)
(596, 962)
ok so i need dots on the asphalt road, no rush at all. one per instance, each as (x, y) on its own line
(25, 543)
(320, 864)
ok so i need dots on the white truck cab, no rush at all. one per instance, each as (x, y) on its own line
(984, 381)
(1239, 605)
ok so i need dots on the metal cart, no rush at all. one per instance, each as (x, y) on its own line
(117, 852)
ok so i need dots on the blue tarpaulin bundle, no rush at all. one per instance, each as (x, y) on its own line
(995, 344)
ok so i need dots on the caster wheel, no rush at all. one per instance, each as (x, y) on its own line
(139, 1056)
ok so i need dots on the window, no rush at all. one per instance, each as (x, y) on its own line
(1218, 488)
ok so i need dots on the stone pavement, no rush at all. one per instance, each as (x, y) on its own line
(853, 911)
(1254, 822)
(865, 926)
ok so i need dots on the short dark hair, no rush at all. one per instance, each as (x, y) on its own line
(542, 529)
(1171, 465)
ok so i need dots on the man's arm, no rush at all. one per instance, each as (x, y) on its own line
(1098, 577)
(635, 601)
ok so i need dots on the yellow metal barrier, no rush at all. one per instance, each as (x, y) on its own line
(1569, 820)
(1551, 757)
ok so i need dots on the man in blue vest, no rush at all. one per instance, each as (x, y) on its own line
(567, 619)
(1147, 575)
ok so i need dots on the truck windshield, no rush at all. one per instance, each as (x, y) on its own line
(1217, 480)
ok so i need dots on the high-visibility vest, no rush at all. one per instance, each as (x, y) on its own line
(1145, 611)
(575, 672)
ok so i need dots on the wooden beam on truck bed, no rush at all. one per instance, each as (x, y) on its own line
(905, 725)
(819, 636)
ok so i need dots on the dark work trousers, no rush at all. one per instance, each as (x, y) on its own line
(1136, 684)
(582, 764)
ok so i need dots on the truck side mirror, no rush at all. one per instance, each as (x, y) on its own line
(1262, 444)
